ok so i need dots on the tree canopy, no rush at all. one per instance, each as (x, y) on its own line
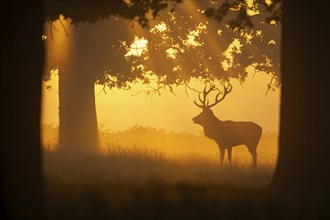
(187, 48)
(180, 47)
(92, 11)
(237, 13)
(82, 12)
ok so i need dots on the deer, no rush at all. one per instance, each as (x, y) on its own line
(227, 134)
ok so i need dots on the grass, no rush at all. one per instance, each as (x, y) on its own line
(135, 166)
(141, 154)
(144, 173)
(139, 184)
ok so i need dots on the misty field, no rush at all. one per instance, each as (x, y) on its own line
(140, 155)
(145, 173)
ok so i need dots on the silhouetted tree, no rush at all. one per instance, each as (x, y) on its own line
(90, 50)
(22, 62)
(303, 162)
(22, 58)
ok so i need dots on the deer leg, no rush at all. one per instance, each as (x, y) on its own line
(222, 155)
(229, 155)
(254, 164)
(253, 152)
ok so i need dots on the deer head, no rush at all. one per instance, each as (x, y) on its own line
(207, 115)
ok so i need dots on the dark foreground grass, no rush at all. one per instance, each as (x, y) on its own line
(178, 201)
(146, 185)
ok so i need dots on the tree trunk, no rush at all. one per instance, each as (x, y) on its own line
(303, 163)
(22, 58)
(77, 112)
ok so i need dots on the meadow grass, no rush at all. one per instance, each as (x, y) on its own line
(129, 166)
(135, 182)
(141, 155)
(144, 173)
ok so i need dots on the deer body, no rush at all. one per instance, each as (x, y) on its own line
(227, 134)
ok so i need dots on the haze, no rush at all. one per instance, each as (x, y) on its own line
(119, 109)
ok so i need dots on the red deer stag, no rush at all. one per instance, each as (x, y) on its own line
(227, 134)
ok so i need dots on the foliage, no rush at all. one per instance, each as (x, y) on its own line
(259, 18)
(237, 13)
(92, 11)
(179, 48)
(177, 51)
(79, 12)
(183, 47)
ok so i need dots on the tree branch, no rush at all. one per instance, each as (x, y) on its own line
(269, 85)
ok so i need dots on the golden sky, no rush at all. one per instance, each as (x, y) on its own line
(120, 109)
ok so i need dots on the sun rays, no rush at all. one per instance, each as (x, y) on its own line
(169, 112)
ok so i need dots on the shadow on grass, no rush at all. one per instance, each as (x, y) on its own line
(178, 201)
(135, 185)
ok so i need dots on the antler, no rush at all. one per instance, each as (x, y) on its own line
(205, 102)
(226, 91)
